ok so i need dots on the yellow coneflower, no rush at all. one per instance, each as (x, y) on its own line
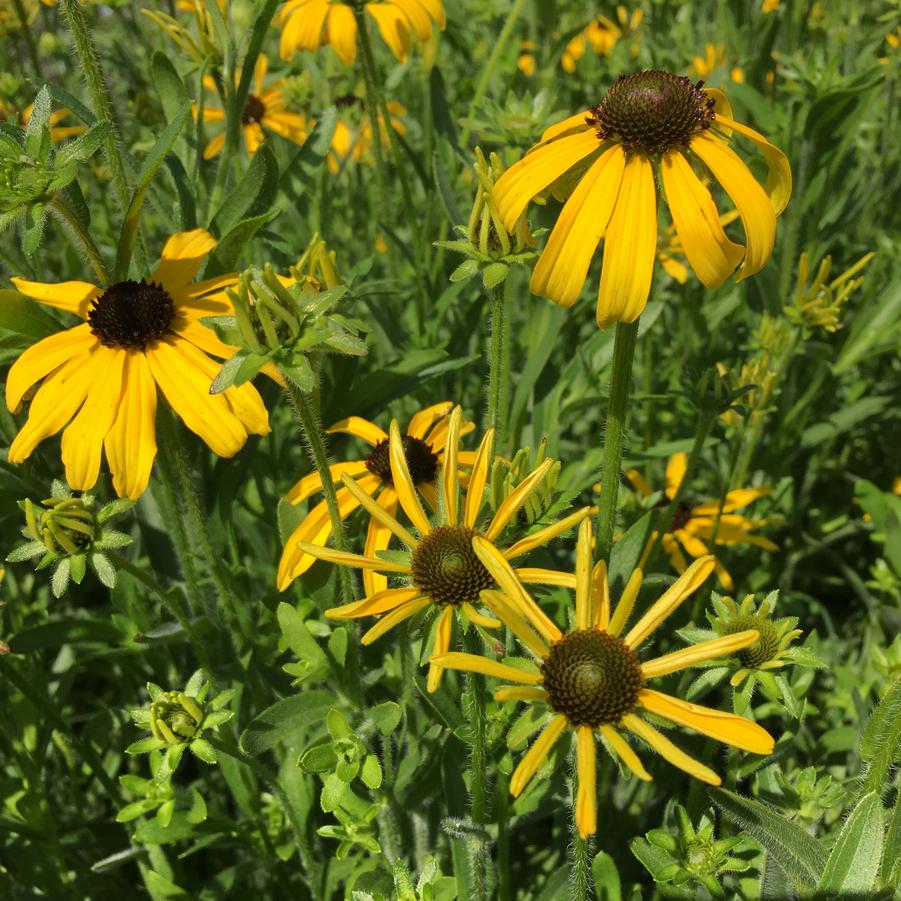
(526, 61)
(769, 6)
(691, 526)
(264, 110)
(442, 572)
(594, 682)
(603, 35)
(308, 24)
(609, 154)
(353, 141)
(423, 442)
(714, 58)
(103, 374)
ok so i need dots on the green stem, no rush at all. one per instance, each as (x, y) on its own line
(705, 422)
(29, 39)
(478, 783)
(580, 864)
(498, 376)
(79, 237)
(490, 66)
(614, 430)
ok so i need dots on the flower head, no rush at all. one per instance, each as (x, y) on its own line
(100, 378)
(605, 160)
(592, 679)
(692, 526)
(264, 110)
(443, 571)
(308, 24)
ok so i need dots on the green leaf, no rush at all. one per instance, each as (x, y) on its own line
(655, 860)
(607, 885)
(337, 724)
(386, 716)
(254, 194)
(494, 274)
(145, 745)
(301, 640)
(371, 774)
(881, 740)
(105, 570)
(318, 759)
(60, 581)
(83, 147)
(225, 256)
(37, 130)
(333, 791)
(627, 552)
(853, 864)
(168, 84)
(797, 852)
(284, 719)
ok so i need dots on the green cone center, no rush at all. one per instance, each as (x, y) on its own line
(764, 649)
(446, 569)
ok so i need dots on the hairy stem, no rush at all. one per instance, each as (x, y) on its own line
(580, 866)
(478, 783)
(498, 375)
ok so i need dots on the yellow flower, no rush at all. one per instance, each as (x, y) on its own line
(354, 142)
(205, 45)
(526, 61)
(647, 123)
(714, 58)
(308, 24)
(263, 110)
(442, 571)
(103, 374)
(692, 526)
(423, 441)
(592, 679)
(769, 6)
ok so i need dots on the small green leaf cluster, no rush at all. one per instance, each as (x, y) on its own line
(432, 885)
(161, 797)
(65, 532)
(506, 475)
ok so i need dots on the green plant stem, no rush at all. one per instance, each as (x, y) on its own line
(79, 237)
(28, 37)
(614, 430)
(580, 865)
(498, 374)
(705, 422)
(488, 70)
(478, 783)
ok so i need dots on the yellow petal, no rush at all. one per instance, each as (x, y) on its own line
(511, 504)
(215, 146)
(82, 442)
(477, 480)
(73, 297)
(586, 798)
(725, 727)
(403, 483)
(536, 755)
(393, 28)
(585, 614)
(312, 483)
(675, 472)
(626, 602)
(577, 122)
(536, 170)
(130, 444)
(361, 428)
(486, 622)
(520, 693)
(449, 479)
(472, 663)
(364, 498)
(625, 753)
(668, 751)
(711, 254)
(377, 539)
(563, 265)
(543, 536)
(698, 653)
(721, 105)
(42, 358)
(514, 622)
(421, 422)
(536, 575)
(735, 500)
(394, 618)
(417, 16)
(639, 483)
(182, 257)
(199, 335)
(304, 29)
(345, 558)
(600, 592)
(442, 643)
(629, 246)
(342, 33)
(378, 603)
(757, 214)
(670, 600)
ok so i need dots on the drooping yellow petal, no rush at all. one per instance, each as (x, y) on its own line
(725, 727)
(512, 503)
(577, 122)
(130, 444)
(536, 170)
(600, 593)
(345, 558)
(442, 644)
(417, 16)
(625, 753)
(381, 602)
(639, 483)
(586, 798)
(563, 265)
(698, 653)
(472, 663)
(342, 33)
(668, 751)
(364, 498)
(585, 613)
(626, 602)
(757, 214)
(486, 622)
(394, 618)
(536, 755)
(629, 246)
(377, 539)
(670, 600)
(42, 358)
(477, 480)
(302, 30)
(393, 27)
(403, 483)
(710, 252)
(449, 480)
(675, 472)
(214, 146)
(537, 575)
(82, 442)
(520, 693)
(361, 428)
(421, 422)
(312, 483)
(514, 622)
(73, 297)
(181, 259)
(543, 536)
(506, 578)
(735, 500)
(721, 104)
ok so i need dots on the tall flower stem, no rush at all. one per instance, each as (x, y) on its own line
(614, 430)
(498, 376)
(478, 853)
(580, 865)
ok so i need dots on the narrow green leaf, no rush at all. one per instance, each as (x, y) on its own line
(880, 743)
(254, 194)
(284, 719)
(169, 85)
(853, 864)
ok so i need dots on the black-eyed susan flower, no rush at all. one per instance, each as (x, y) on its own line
(592, 679)
(442, 572)
(101, 376)
(264, 110)
(693, 526)
(424, 445)
(715, 58)
(605, 160)
(308, 24)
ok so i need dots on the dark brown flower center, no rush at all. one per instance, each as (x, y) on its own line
(446, 569)
(681, 516)
(592, 678)
(652, 112)
(131, 315)
(765, 648)
(254, 110)
(422, 461)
